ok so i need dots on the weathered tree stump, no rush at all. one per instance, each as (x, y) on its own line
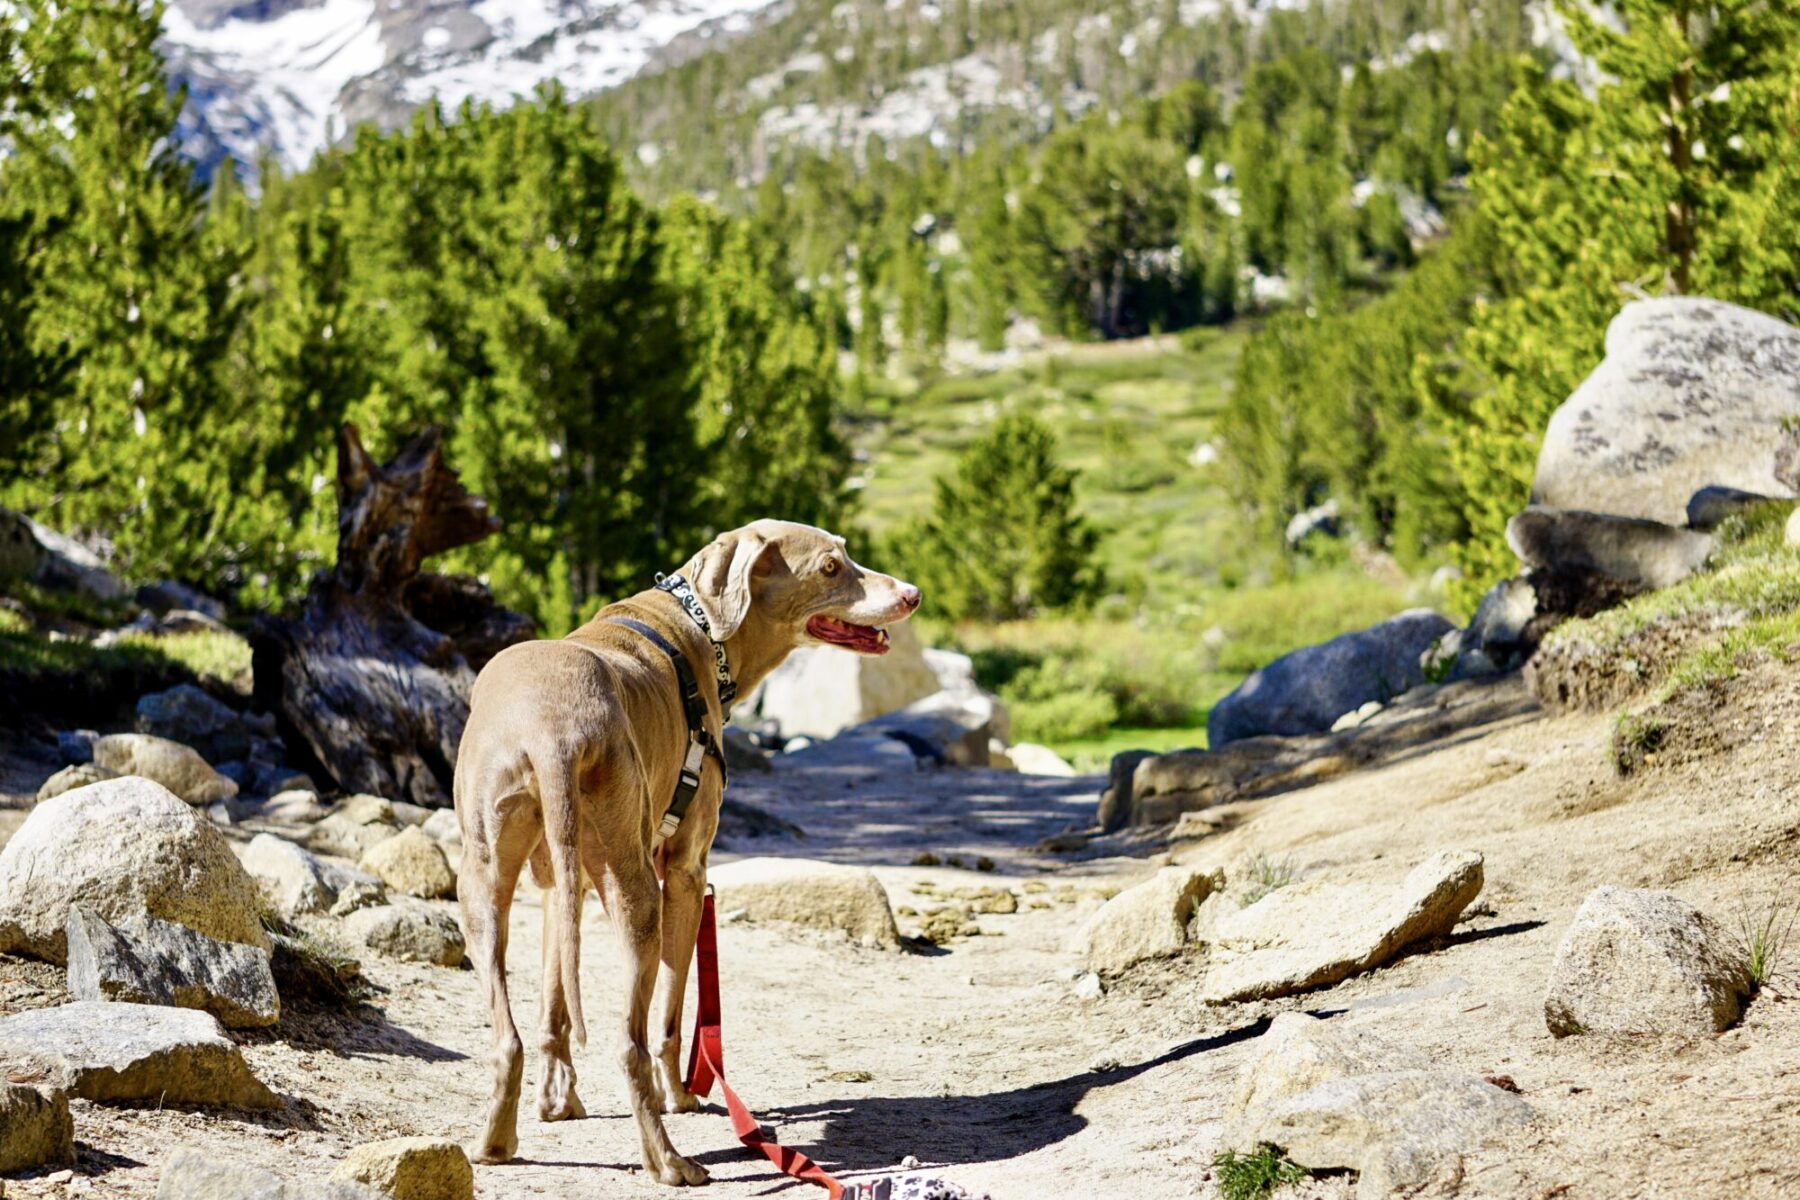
(372, 675)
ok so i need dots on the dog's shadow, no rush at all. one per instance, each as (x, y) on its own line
(875, 1132)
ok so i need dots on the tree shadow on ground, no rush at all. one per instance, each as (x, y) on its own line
(876, 1132)
(360, 1031)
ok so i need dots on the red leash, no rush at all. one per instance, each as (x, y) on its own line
(706, 1063)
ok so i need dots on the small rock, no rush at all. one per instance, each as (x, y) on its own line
(1089, 987)
(192, 1175)
(1147, 921)
(292, 806)
(177, 767)
(1313, 934)
(801, 891)
(413, 1168)
(145, 961)
(445, 827)
(134, 1054)
(1300, 1052)
(1793, 528)
(1115, 802)
(411, 863)
(1643, 962)
(76, 746)
(70, 778)
(127, 847)
(364, 809)
(1032, 759)
(406, 813)
(188, 715)
(35, 1128)
(339, 835)
(299, 881)
(410, 932)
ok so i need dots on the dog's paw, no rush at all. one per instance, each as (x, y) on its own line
(677, 1171)
(678, 1099)
(493, 1152)
(567, 1107)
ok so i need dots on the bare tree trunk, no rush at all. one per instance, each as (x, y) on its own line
(373, 673)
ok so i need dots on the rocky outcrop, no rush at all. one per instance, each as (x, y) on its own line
(1315, 933)
(145, 961)
(411, 1168)
(1598, 559)
(1150, 920)
(411, 863)
(816, 895)
(37, 554)
(1644, 962)
(133, 1054)
(1343, 1099)
(127, 848)
(412, 933)
(1692, 394)
(35, 1128)
(1307, 690)
(1115, 808)
(177, 767)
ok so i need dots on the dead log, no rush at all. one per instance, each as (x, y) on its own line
(372, 674)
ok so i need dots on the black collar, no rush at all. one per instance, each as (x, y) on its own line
(679, 588)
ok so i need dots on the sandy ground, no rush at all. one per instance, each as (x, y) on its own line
(981, 1062)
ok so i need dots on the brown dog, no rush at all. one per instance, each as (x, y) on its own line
(570, 760)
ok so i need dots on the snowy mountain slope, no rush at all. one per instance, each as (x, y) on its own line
(292, 76)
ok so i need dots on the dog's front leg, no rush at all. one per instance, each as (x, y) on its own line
(684, 886)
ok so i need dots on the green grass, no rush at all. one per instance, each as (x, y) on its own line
(1255, 1176)
(1262, 874)
(1764, 937)
(1196, 600)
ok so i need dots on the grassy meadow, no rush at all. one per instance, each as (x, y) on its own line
(1194, 601)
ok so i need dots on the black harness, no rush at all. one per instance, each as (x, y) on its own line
(701, 745)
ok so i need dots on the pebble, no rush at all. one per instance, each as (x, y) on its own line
(1089, 987)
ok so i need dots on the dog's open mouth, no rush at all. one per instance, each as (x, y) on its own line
(864, 639)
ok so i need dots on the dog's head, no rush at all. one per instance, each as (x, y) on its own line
(800, 585)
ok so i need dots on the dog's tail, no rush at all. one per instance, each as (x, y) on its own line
(562, 833)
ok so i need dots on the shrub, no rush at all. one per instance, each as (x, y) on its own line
(1255, 1176)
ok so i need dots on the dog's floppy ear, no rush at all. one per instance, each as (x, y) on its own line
(721, 578)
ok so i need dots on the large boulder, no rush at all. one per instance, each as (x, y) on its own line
(1147, 921)
(126, 848)
(818, 895)
(40, 555)
(411, 863)
(1692, 393)
(195, 1175)
(300, 881)
(820, 690)
(1309, 689)
(133, 1054)
(186, 714)
(1638, 962)
(411, 1168)
(1316, 933)
(410, 932)
(35, 1128)
(177, 767)
(1336, 1098)
(145, 961)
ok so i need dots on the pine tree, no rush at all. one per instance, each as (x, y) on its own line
(130, 290)
(1004, 538)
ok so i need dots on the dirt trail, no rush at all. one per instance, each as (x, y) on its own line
(984, 1065)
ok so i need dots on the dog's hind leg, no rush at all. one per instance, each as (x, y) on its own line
(492, 858)
(634, 901)
(557, 1100)
(684, 888)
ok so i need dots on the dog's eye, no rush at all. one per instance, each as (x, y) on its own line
(830, 567)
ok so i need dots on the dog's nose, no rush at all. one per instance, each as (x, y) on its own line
(910, 596)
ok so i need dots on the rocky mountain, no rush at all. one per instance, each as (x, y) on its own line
(288, 77)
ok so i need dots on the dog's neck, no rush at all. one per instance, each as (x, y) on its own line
(755, 650)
